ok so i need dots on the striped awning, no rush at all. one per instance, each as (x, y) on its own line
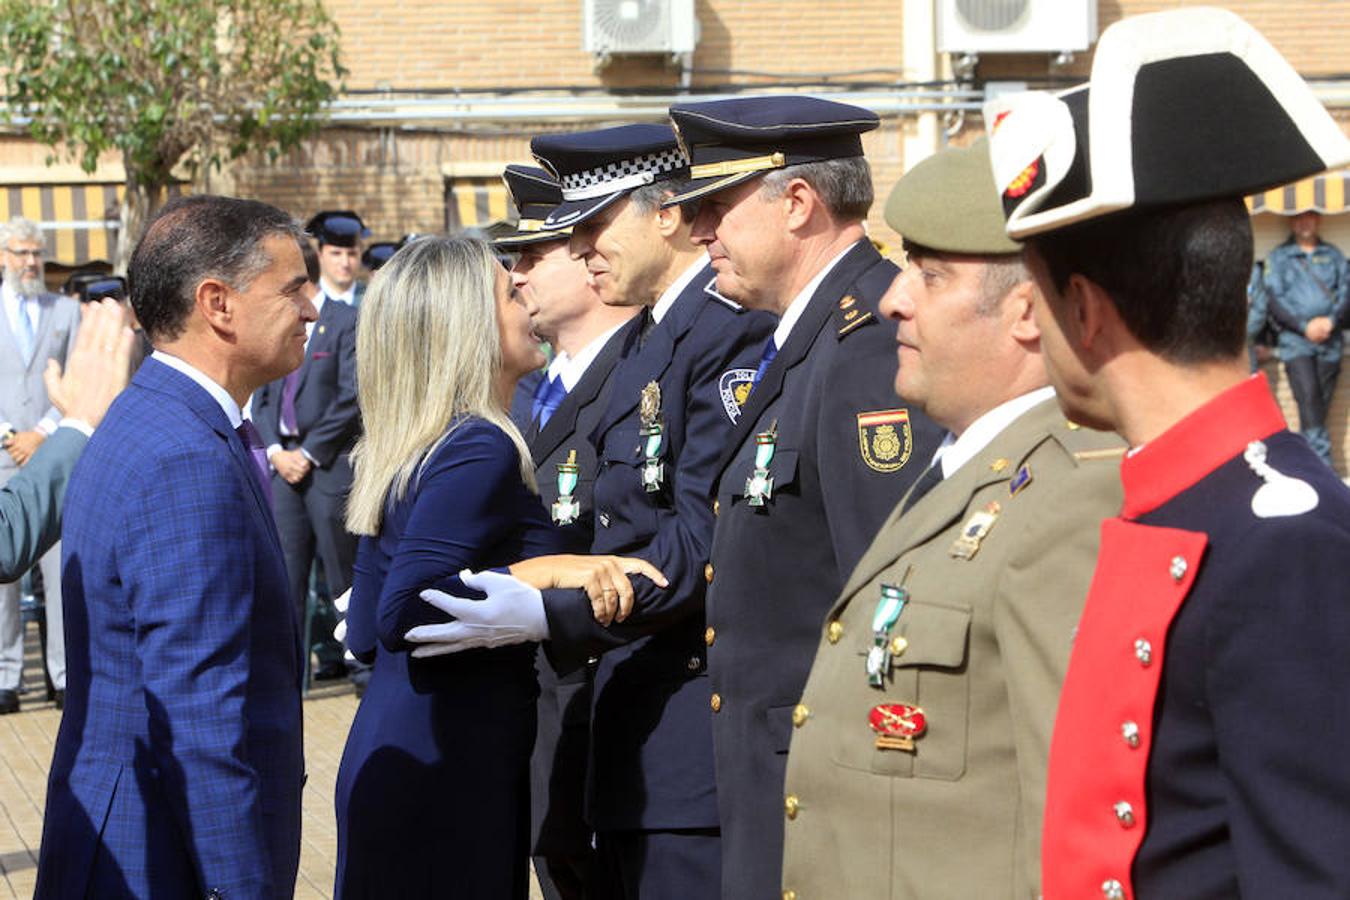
(80, 220)
(476, 203)
(1326, 193)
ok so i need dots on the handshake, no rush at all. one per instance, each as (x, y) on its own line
(513, 610)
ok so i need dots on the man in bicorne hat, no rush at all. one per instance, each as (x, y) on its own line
(1199, 747)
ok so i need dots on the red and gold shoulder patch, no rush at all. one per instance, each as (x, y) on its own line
(885, 439)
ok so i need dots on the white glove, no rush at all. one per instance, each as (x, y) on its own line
(341, 600)
(512, 613)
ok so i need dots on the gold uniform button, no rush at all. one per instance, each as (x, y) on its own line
(790, 805)
(708, 573)
(715, 702)
(717, 508)
(789, 895)
(898, 646)
(800, 714)
(709, 635)
(834, 632)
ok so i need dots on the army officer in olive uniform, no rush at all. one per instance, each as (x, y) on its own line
(917, 765)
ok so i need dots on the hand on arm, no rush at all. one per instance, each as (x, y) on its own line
(1319, 329)
(513, 610)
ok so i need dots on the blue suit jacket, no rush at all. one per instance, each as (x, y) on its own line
(652, 741)
(178, 765)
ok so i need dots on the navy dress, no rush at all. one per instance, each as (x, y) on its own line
(433, 790)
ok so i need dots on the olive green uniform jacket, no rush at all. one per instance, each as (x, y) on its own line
(980, 647)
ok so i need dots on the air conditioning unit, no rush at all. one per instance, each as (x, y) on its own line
(1016, 26)
(620, 27)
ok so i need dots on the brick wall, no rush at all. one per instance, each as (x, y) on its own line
(510, 44)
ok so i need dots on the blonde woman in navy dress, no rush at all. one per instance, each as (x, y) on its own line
(433, 789)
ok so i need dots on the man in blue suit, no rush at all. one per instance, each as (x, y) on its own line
(673, 400)
(178, 765)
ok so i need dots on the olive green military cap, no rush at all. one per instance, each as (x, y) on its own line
(949, 203)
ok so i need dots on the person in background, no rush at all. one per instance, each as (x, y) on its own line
(37, 326)
(309, 421)
(433, 788)
(95, 373)
(340, 235)
(1308, 294)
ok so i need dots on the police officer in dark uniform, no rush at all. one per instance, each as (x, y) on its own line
(340, 234)
(587, 337)
(823, 449)
(652, 788)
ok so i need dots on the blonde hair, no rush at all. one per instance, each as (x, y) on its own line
(428, 353)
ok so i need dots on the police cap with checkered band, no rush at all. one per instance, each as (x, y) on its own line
(732, 141)
(595, 168)
(535, 194)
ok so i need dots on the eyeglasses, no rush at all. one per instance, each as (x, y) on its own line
(36, 254)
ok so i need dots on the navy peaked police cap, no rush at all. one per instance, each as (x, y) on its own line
(535, 194)
(595, 168)
(339, 227)
(731, 141)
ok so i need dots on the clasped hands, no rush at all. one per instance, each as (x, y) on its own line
(513, 610)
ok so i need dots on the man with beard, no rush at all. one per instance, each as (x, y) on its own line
(37, 326)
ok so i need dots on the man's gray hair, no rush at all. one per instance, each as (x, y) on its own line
(648, 198)
(20, 229)
(844, 185)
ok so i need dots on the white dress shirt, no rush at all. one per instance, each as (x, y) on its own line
(348, 296)
(218, 393)
(955, 452)
(669, 295)
(571, 368)
(799, 303)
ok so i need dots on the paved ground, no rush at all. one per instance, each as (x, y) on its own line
(26, 741)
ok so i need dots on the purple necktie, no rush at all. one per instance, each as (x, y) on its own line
(253, 441)
(288, 388)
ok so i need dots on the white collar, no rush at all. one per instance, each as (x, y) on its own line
(799, 303)
(218, 393)
(955, 452)
(670, 294)
(573, 367)
(348, 296)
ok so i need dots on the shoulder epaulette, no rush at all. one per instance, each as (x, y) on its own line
(850, 316)
(1088, 444)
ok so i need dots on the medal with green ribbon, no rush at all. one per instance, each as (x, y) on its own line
(566, 508)
(889, 607)
(649, 411)
(759, 486)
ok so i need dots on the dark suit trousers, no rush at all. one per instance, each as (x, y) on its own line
(310, 520)
(659, 865)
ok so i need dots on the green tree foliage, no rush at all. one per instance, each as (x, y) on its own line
(167, 83)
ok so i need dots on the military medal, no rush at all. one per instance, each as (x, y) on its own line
(649, 411)
(889, 607)
(897, 725)
(759, 486)
(566, 508)
(974, 531)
